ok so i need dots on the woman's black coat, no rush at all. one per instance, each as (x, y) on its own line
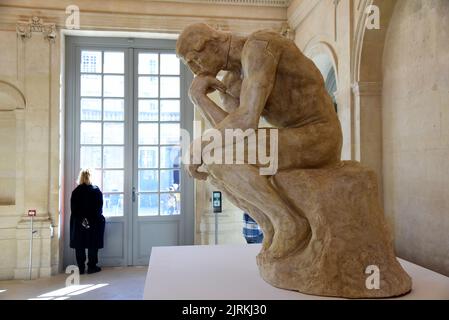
(86, 202)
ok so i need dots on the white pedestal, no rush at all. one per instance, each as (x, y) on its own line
(229, 272)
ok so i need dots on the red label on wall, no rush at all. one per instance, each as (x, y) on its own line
(31, 213)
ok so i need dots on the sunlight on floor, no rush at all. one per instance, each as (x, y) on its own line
(112, 283)
(65, 293)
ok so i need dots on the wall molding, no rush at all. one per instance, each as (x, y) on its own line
(362, 89)
(359, 35)
(268, 3)
(12, 95)
(150, 20)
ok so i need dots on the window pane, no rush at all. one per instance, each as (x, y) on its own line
(95, 178)
(113, 133)
(114, 110)
(113, 86)
(170, 157)
(91, 61)
(113, 205)
(170, 87)
(148, 87)
(90, 157)
(148, 157)
(113, 181)
(170, 204)
(148, 133)
(114, 62)
(148, 63)
(90, 85)
(170, 133)
(170, 180)
(148, 205)
(90, 109)
(148, 110)
(148, 181)
(113, 157)
(169, 64)
(170, 110)
(90, 133)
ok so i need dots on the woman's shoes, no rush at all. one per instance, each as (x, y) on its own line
(93, 270)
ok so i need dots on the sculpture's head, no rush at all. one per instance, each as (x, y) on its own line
(204, 49)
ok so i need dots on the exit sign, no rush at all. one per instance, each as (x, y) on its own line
(32, 213)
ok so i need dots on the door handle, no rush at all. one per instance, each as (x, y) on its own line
(134, 194)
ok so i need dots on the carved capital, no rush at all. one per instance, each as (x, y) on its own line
(25, 29)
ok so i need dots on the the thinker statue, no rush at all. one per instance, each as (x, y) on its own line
(322, 223)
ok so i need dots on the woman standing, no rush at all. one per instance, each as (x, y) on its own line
(86, 223)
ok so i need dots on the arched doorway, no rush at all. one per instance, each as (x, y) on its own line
(326, 67)
(366, 78)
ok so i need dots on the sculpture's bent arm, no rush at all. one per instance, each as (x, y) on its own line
(231, 98)
(210, 111)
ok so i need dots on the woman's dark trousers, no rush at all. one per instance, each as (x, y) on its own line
(81, 258)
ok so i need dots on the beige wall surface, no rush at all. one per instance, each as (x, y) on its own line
(29, 136)
(393, 107)
(416, 131)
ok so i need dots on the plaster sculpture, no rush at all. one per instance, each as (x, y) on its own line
(322, 223)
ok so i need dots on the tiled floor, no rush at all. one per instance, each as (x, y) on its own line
(119, 283)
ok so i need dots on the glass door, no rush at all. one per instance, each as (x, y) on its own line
(157, 191)
(103, 108)
(129, 106)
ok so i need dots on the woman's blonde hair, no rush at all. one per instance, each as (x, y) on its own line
(84, 177)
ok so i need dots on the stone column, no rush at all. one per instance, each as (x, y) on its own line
(36, 39)
(368, 127)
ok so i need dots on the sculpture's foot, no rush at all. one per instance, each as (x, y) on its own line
(290, 236)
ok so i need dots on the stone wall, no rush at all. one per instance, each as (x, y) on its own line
(29, 134)
(392, 93)
(416, 131)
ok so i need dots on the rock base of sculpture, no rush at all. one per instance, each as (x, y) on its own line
(349, 234)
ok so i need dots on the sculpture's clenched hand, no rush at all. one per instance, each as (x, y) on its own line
(202, 85)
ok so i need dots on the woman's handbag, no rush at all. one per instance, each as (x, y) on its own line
(85, 223)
